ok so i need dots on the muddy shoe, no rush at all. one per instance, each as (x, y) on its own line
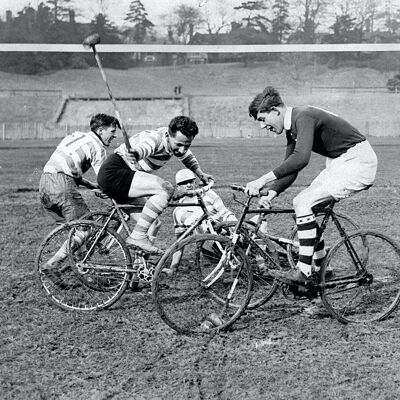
(292, 277)
(143, 244)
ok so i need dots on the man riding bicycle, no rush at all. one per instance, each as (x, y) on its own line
(351, 166)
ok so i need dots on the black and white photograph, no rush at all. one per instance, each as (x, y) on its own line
(199, 199)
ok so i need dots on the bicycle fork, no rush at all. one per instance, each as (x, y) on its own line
(227, 258)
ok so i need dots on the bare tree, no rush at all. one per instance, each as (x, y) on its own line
(217, 16)
(365, 12)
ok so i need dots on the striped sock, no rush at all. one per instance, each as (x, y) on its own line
(154, 206)
(307, 233)
(319, 253)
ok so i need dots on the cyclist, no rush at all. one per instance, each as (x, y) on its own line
(127, 175)
(351, 166)
(58, 187)
(76, 153)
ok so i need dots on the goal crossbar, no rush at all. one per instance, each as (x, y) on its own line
(168, 48)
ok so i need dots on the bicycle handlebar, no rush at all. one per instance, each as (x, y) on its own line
(240, 188)
(195, 192)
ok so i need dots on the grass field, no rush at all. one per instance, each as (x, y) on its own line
(127, 352)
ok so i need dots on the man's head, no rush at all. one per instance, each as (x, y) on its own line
(267, 108)
(185, 177)
(181, 132)
(105, 126)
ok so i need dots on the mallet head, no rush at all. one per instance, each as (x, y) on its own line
(91, 40)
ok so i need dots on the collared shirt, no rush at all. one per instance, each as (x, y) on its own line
(153, 152)
(76, 153)
(287, 121)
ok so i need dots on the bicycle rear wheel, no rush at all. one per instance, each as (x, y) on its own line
(81, 269)
(365, 285)
(209, 289)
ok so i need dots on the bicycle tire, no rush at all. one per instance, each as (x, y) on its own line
(182, 298)
(370, 294)
(331, 234)
(74, 287)
(264, 286)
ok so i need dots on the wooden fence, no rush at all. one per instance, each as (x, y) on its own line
(37, 130)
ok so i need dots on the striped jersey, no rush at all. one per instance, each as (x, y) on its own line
(153, 151)
(186, 216)
(76, 153)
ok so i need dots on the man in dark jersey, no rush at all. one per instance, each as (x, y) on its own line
(350, 167)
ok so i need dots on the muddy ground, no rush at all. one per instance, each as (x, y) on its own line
(127, 352)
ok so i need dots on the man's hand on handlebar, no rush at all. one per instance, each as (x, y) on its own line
(253, 188)
(182, 192)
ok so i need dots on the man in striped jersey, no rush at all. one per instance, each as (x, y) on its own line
(62, 174)
(129, 175)
(351, 166)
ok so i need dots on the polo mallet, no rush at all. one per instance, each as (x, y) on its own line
(90, 42)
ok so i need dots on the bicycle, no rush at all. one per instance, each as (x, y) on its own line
(358, 280)
(282, 250)
(96, 271)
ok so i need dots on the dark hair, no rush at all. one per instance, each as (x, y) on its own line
(100, 120)
(186, 125)
(265, 101)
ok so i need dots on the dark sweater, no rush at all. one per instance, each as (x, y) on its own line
(317, 130)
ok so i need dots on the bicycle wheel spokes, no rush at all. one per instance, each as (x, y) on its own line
(365, 285)
(263, 257)
(191, 299)
(88, 274)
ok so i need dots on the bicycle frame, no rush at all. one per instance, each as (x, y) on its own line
(120, 210)
(326, 208)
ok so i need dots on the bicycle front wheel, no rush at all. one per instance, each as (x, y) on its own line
(208, 290)
(262, 256)
(82, 268)
(360, 278)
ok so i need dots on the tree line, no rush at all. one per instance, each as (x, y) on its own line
(251, 22)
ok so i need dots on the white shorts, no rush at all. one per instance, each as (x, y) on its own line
(349, 173)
